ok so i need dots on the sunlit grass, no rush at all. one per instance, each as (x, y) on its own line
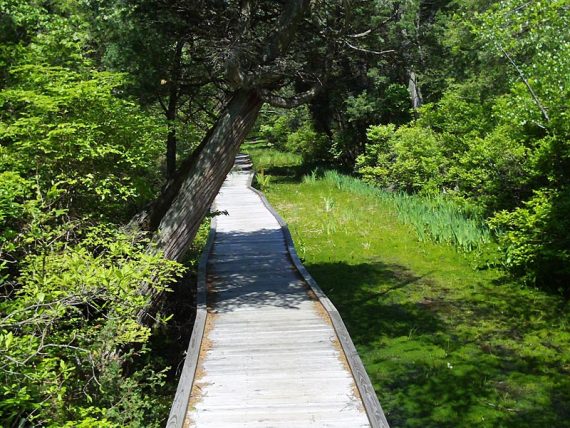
(444, 344)
(267, 157)
(434, 218)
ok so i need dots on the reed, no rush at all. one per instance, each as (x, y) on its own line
(435, 218)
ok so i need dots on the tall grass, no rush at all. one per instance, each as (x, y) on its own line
(435, 218)
(266, 157)
(262, 180)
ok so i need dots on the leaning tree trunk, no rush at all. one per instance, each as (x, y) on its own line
(177, 214)
(186, 200)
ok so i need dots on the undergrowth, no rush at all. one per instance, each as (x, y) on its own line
(434, 218)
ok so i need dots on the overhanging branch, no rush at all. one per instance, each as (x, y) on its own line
(242, 72)
(367, 50)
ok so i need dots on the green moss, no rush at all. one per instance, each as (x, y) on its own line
(445, 345)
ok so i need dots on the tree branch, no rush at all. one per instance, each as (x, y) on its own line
(527, 84)
(289, 102)
(286, 28)
(275, 46)
(363, 34)
(367, 50)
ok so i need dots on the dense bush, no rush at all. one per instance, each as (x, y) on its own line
(69, 340)
(275, 130)
(408, 158)
(312, 146)
(293, 131)
(535, 241)
(68, 127)
(77, 159)
(498, 136)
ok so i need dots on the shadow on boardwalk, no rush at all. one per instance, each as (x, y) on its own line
(253, 269)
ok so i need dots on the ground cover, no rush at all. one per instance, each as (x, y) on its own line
(445, 344)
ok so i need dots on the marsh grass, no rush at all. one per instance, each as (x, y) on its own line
(434, 218)
(266, 157)
(263, 180)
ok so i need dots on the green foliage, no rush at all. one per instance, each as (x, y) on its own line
(294, 132)
(498, 136)
(275, 131)
(69, 334)
(69, 327)
(69, 128)
(266, 156)
(535, 241)
(493, 170)
(77, 159)
(262, 180)
(312, 146)
(408, 159)
(434, 218)
(13, 192)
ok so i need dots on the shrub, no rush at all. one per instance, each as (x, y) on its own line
(493, 170)
(69, 337)
(408, 158)
(275, 132)
(311, 145)
(534, 239)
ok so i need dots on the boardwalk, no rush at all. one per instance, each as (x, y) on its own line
(269, 354)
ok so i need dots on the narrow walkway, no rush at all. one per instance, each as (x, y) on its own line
(269, 356)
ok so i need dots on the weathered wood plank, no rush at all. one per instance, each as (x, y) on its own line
(179, 407)
(368, 395)
(270, 356)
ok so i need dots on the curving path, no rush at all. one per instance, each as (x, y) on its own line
(270, 353)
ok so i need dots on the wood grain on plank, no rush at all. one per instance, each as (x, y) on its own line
(275, 356)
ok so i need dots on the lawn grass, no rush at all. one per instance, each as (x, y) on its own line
(444, 344)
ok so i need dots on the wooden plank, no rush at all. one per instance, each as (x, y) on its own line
(179, 407)
(370, 400)
(272, 358)
(186, 381)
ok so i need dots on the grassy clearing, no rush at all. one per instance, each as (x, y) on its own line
(267, 157)
(445, 345)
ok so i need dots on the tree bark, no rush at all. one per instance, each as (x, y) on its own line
(172, 110)
(187, 199)
(414, 90)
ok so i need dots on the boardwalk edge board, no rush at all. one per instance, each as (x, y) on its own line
(181, 401)
(179, 407)
(369, 399)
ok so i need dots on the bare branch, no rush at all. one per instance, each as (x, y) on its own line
(368, 50)
(371, 30)
(363, 34)
(527, 84)
(289, 102)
